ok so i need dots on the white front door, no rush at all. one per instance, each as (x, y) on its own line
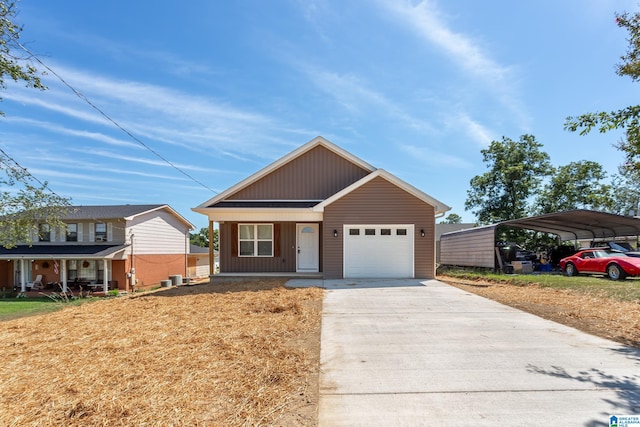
(307, 247)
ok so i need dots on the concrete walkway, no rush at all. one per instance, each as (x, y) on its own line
(411, 353)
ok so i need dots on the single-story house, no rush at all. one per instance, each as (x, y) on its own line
(320, 211)
(102, 247)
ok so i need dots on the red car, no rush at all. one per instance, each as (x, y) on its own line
(615, 265)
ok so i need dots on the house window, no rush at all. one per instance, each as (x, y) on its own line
(255, 240)
(354, 232)
(101, 232)
(401, 232)
(72, 233)
(44, 233)
(369, 231)
(385, 232)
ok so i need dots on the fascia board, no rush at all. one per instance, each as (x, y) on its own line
(163, 207)
(275, 214)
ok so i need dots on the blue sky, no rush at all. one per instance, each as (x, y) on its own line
(223, 88)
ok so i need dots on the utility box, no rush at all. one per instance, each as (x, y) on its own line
(522, 266)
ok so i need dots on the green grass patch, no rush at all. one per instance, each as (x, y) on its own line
(620, 290)
(23, 307)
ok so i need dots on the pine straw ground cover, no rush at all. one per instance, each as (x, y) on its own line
(592, 312)
(242, 354)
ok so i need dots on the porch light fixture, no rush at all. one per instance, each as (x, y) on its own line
(335, 233)
(422, 232)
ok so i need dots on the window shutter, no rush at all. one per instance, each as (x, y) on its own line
(109, 232)
(63, 234)
(276, 240)
(34, 235)
(234, 239)
(79, 232)
(52, 234)
(92, 232)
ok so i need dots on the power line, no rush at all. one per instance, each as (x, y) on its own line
(5, 155)
(115, 123)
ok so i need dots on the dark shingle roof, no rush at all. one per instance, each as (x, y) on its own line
(106, 211)
(60, 250)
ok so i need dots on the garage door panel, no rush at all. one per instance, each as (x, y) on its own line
(383, 254)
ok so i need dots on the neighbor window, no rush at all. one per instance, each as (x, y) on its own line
(385, 232)
(354, 232)
(369, 231)
(44, 233)
(401, 232)
(72, 233)
(101, 232)
(255, 240)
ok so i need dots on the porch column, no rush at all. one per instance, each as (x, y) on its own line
(23, 282)
(105, 275)
(212, 256)
(63, 274)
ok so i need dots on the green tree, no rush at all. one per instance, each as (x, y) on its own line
(627, 118)
(577, 185)
(452, 218)
(26, 204)
(626, 190)
(13, 65)
(201, 238)
(516, 170)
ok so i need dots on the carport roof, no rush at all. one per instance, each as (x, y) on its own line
(579, 224)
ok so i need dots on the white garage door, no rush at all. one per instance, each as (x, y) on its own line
(384, 251)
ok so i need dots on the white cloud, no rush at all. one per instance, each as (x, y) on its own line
(431, 157)
(355, 96)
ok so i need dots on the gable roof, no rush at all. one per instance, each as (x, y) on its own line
(439, 207)
(317, 141)
(127, 212)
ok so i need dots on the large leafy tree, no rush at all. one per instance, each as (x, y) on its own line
(13, 65)
(577, 185)
(26, 204)
(201, 238)
(627, 118)
(516, 171)
(452, 218)
(25, 201)
(626, 190)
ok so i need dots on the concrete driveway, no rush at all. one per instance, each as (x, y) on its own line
(412, 353)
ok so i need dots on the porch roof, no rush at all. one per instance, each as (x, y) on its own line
(60, 251)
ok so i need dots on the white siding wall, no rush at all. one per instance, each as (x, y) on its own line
(469, 248)
(158, 232)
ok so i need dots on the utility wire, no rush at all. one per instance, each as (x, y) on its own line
(106, 116)
(5, 155)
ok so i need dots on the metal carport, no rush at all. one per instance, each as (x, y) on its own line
(474, 247)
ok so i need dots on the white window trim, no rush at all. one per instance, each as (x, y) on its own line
(255, 240)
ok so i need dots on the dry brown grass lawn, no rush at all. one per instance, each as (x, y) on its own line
(241, 354)
(595, 314)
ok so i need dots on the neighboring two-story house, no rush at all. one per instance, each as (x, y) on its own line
(102, 247)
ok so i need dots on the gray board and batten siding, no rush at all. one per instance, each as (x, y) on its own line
(474, 247)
